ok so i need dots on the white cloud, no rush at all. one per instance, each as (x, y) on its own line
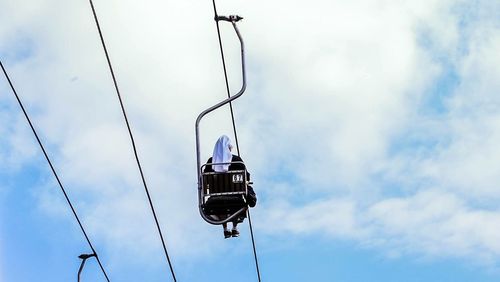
(430, 224)
(464, 155)
(16, 143)
(436, 224)
(333, 87)
(337, 218)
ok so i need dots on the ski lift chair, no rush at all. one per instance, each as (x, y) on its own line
(224, 193)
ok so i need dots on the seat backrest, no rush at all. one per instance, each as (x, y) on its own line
(224, 183)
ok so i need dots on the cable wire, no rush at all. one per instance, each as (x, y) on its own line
(253, 244)
(234, 129)
(132, 140)
(225, 76)
(54, 172)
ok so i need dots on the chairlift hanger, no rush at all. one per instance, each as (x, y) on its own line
(204, 179)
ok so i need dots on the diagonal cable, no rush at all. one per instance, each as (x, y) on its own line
(225, 76)
(234, 129)
(132, 140)
(54, 172)
(253, 244)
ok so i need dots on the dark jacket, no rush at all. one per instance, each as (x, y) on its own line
(236, 166)
(251, 197)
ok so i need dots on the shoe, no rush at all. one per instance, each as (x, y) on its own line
(227, 234)
(235, 233)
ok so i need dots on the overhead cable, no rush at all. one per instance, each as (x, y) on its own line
(217, 18)
(132, 140)
(54, 172)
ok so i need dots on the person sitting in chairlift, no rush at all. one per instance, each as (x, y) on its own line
(222, 154)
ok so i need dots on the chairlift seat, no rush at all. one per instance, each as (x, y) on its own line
(221, 205)
(224, 192)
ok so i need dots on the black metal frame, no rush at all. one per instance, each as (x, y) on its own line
(225, 186)
(84, 257)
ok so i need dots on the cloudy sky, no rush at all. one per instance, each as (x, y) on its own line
(370, 127)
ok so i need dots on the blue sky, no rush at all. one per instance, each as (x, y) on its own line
(370, 129)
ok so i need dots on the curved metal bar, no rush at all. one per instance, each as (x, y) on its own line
(214, 107)
(218, 222)
(84, 257)
(222, 103)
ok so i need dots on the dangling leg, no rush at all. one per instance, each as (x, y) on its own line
(227, 233)
(239, 219)
(235, 232)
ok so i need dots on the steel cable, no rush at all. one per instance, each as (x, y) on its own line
(132, 140)
(234, 129)
(253, 244)
(54, 172)
(225, 76)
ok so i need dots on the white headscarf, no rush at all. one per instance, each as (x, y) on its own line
(222, 154)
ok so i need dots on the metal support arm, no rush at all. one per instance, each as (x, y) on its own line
(233, 20)
(84, 257)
